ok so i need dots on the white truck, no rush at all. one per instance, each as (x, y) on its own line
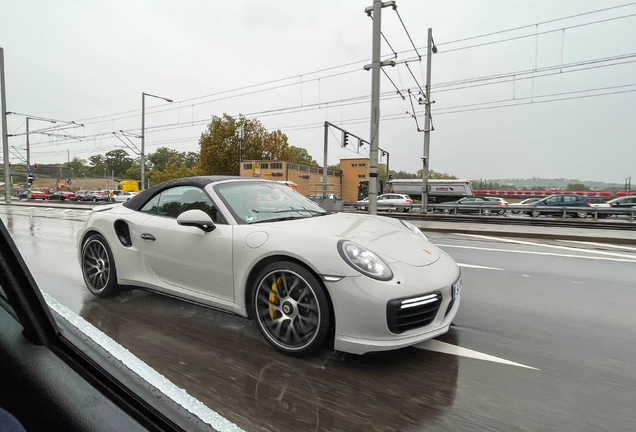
(438, 190)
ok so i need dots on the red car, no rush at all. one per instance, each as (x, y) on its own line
(38, 195)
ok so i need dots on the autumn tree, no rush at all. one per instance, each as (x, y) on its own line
(173, 171)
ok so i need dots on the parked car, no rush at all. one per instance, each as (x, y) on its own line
(124, 196)
(84, 195)
(99, 196)
(297, 270)
(63, 195)
(556, 201)
(36, 194)
(525, 202)
(399, 202)
(467, 205)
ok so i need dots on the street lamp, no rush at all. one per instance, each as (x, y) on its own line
(143, 133)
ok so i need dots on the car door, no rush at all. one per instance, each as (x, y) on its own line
(187, 257)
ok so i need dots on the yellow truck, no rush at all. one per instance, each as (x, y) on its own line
(129, 186)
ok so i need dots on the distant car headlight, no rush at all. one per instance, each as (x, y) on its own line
(364, 261)
(413, 228)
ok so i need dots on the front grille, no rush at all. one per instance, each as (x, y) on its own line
(413, 312)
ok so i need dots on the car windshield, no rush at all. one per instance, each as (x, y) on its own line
(258, 201)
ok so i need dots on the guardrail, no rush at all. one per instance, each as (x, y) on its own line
(535, 211)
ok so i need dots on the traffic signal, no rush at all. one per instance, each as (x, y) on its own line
(345, 139)
(35, 166)
(9, 164)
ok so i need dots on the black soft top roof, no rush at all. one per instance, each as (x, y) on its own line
(137, 202)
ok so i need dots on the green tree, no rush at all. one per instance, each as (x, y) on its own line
(79, 167)
(335, 167)
(576, 187)
(96, 160)
(219, 145)
(118, 162)
(302, 156)
(173, 171)
(161, 158)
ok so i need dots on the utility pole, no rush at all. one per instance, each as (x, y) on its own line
(375, 106)
(427, 123)
(142, 159)
(5, 138)
(240, 135)
(324, 167)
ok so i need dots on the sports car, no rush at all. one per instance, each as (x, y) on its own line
(259, 249)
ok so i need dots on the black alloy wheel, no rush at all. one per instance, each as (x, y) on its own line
(98, 267)
(94, 199)
(291, 309)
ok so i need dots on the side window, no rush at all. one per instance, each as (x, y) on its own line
(151, 206)
(569, 199)
(177, 200)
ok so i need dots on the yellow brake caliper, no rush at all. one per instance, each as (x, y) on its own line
(273, 298)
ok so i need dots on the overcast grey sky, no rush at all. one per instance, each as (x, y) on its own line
(87, 60)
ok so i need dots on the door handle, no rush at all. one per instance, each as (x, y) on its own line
(147, 236)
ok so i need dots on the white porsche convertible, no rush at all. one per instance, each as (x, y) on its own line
(261, 250)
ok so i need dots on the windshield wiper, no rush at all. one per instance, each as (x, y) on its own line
(277, 219)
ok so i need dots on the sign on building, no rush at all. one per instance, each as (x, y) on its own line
(256, 169)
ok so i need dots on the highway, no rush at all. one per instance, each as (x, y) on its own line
(544, 340)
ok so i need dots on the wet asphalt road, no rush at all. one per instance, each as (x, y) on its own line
(564, 309)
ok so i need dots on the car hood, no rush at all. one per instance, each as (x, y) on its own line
(384, 236)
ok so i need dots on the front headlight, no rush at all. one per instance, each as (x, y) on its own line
(413, 228)
(364, 261)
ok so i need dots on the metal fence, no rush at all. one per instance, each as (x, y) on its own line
(534, 211)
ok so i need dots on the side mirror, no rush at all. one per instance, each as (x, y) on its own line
(197, 218)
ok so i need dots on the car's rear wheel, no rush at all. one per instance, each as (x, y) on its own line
(98, 267)
(401, 209)
(486, 212)
(94, 199)
(291, 308)
(446, 211)
(581, 215)
(535, 213)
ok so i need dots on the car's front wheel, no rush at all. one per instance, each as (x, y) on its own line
(98, 267)
(291, 308)
(535, 213)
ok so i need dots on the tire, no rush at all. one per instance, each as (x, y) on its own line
(535, 213)
(581, 215)
(400, 209)
(486, 212)
(446, 211)
(98, 267)
(94, 199)
(81, 198)
(279, 318)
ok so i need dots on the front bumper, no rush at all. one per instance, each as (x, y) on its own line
(360, 306)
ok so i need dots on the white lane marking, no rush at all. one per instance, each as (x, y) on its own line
(66, 211)
(550, 246)
(446, 348)
(88, 211)
(633, 260)
(48, 208)
(147, 373)
(478, 267)
(601, 244)
(575, 282)
(525, 275)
